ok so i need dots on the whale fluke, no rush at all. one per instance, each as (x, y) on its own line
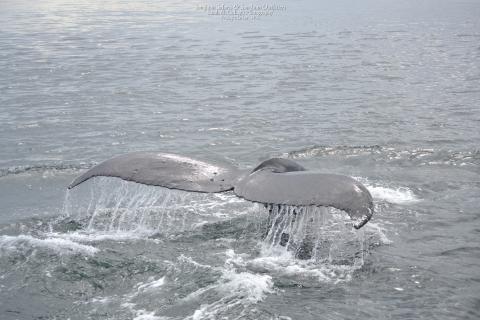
(275, 181)
(165, 170)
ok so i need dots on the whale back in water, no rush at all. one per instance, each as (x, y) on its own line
(274, 181)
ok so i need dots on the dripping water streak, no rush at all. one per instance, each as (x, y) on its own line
(317, 233)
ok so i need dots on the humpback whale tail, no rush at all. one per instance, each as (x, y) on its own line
(275, 181)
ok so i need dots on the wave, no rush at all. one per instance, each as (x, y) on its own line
(41, 168)
(319, 150)
(418, 156)
(57, 245)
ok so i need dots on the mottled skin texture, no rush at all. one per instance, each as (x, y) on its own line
(274, 181)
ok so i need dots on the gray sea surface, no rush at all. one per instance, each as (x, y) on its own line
(385, 91)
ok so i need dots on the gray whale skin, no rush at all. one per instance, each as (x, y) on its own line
(274, 181)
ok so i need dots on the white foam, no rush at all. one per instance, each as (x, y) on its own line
(60, 246)
(400, 195)
(145, 315)
(104, 300)
(283, 264)
(151, 285)
(238, 289)
(250, 286)
(97, 236)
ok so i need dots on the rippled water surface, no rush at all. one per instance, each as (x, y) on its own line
(383, 91)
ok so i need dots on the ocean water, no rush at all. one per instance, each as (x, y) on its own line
(385, 91)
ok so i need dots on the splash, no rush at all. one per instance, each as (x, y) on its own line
(120, 210)
(305, 245)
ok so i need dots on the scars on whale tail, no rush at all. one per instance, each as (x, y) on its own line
(275, 181)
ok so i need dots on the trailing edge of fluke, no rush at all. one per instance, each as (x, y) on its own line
(274, 181)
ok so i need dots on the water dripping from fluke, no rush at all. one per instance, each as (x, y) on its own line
(321, 234)
(111, 205)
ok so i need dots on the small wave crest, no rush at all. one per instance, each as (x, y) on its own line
(60, 246)
(316, 151)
